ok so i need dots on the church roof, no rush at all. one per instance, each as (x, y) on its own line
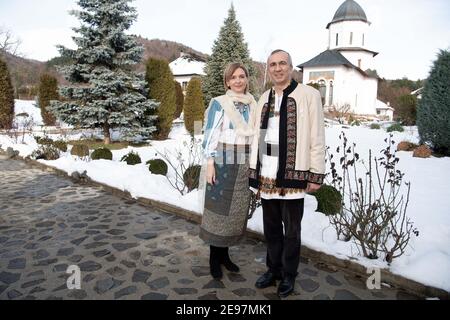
(327, 58)
(349, 10)
(358, 49)
(330, 58)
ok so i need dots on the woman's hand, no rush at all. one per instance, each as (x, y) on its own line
(210, 172)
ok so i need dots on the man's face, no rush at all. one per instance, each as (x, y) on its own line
(279, 68)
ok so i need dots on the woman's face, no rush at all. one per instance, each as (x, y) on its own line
(238, 81)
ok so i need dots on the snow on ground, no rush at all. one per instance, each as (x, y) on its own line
(427, 259)
(30, 108)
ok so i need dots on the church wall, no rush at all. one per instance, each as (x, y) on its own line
(358, 91)
(315, 75)
(349, 87)
(367, 60)
(344, 29)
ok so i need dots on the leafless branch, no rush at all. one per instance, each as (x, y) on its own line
(9, 43)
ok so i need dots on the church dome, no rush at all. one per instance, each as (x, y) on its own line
(349, 10)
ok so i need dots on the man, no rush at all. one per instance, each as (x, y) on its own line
(287, 160)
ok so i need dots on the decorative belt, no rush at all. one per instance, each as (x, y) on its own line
(240, 148)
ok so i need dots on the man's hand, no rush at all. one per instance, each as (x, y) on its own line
(312, 187)
(210, 172)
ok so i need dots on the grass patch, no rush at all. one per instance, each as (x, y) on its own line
(115, 145)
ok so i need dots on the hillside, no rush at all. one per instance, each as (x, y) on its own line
(168, 50)
(25, 73)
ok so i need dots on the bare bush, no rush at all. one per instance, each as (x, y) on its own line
(25, 124)
(180, 164)
(22, 124)
(341, 112)
(374, 204)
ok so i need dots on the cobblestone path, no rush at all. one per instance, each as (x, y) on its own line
(128, 251)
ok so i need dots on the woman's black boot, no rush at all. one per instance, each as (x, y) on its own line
(214, 262)
(226, 261)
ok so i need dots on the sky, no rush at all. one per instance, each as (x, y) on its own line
(407, 33)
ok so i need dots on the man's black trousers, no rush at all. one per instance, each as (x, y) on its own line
(283, 248)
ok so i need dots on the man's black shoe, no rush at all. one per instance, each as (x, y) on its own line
(267, 279)
(286, 287)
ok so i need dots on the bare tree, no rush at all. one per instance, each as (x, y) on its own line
(9, 43)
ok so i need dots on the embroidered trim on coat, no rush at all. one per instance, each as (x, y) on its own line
(291, 134)
(268, 185)
(305, 175)
(316, 177)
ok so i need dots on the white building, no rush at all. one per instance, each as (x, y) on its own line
(418, 93)
(186, 67)
(341, 71)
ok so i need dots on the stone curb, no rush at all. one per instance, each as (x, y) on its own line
(347, 265)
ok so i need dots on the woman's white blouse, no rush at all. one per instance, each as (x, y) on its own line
(219, 129)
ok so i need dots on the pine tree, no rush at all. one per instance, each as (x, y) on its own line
(162, 89)
(48, 90)
(104, 92)
(228, 47)
(194, 107)
(6, 97)
(433, 112)
(179, 99)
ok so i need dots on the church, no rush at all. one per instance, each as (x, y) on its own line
(343, 73)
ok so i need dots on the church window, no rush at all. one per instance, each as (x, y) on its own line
(337, 39)
(351, 38)
(330, 98)
(359, 63)
(322, 90)
(363, 40)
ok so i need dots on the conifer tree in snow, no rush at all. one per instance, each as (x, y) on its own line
(433, 111)
(162, 89)
(6, 97)
(228, 47)
(194, 106)
(47, 91)
(180, 99)
(104, 92)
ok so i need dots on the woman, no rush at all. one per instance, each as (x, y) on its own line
(229, 123)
